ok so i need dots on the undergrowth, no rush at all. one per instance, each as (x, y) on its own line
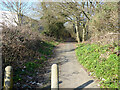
(33, 66)
(101, 62)
(27, 52)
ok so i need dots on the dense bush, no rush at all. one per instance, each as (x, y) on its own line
(101, 62)
(25, 50)
(57, 30)
(19, 44)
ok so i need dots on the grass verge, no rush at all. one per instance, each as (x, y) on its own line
(101, 62)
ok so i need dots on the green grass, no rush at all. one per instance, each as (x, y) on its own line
(104, 68)
(47, 47)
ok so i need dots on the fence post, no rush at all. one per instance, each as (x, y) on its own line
(54, 77)
(8, 79)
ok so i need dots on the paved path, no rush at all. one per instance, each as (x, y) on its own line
(71, 73)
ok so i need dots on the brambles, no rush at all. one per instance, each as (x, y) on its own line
(26, 51)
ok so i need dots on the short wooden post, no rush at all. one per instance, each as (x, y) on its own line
(54, 77)
(8, 79)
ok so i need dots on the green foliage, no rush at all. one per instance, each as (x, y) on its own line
(30, 66)
(17, 76)
(104, 68)
(53, 21)
(56, 29)
(47, 48)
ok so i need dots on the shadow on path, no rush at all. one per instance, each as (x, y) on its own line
(67, 50)
(70, 40)
(78, 88)
(84, 85)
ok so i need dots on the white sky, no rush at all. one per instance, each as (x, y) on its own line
(66, 0)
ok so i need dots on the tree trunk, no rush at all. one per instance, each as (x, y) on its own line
(83, 38)
(84, 30)
(77, 31)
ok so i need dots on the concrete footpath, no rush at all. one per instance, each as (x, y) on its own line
(71, 73)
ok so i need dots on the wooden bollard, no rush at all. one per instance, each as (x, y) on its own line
(54, 77)
(8, 79)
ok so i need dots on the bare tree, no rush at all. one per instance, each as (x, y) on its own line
(16, 7)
